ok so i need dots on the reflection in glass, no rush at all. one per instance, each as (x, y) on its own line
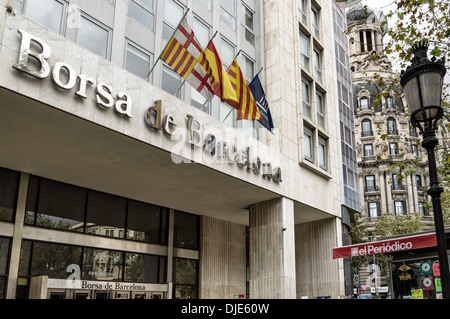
(55, 205)
(53, 259)
(137, 61)
(140, 14)
(93, 37)
(145, 268)
(186, 230)
(101, 264)
(105, 214)
(45, 12)
(185, 274)
(147, 223)
(9, 182)
(4, 254)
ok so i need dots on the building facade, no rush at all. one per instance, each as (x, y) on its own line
(385, 137)
(119, 180)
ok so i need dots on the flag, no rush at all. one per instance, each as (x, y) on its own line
(218, 74)
(183, 53)
(245, 104)
(261, 102)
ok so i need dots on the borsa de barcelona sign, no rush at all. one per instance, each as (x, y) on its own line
(32, 60)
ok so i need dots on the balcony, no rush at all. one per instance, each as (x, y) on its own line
(366, 133)
(371, 188)
(392, 131)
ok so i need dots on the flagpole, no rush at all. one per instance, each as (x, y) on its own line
(184, 80)
(154, 64)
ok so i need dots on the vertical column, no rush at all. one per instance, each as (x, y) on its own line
(170, 255)
(382, 186)
(13, 273)
(282, 82)
(272, 250)
(410, 194)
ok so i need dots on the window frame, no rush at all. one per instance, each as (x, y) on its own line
(306, 101)
(245, 28)
(323, 158)
(371, 209)
(101, 26)
(317, 62)
(128, 44)
(151, 11)
(308, 132)
(305, 54)
(366, 150)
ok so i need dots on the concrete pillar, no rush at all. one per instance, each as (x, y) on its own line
(272, 250)
(318, 274)
(17, 238)
(222, 259)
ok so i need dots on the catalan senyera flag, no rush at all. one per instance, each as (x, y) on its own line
(218, 75)
(246, 105)
(183, 54)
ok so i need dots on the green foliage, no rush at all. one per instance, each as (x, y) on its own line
(389, 225)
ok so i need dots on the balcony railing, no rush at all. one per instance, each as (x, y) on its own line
(398, 187)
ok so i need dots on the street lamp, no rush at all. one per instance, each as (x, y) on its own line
(422, 84)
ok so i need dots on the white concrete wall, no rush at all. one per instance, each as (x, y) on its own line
(222, 259)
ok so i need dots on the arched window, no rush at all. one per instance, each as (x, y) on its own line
(366, 128)
(364, 103)
(391, 126)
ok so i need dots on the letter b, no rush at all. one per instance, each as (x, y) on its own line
(26, 52)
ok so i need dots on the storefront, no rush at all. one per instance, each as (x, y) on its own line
(415, 273)
(413, 265)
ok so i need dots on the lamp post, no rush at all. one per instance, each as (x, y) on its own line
(422, 84)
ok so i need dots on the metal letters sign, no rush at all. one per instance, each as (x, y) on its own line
(32, 60)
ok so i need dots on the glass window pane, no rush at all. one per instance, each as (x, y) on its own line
(4, 255)
(46, 12)
(105, 214)
(226, 53)
(199, 101)
(304, 51)
(148, 3)
(173, 12)
(147, 223)
(60, 206)
(308, 145)
(202, 32)
(9, 183)
(306, 99)
(167, 31)
(101, 264)
(53, 259)
(186, 230)
(145, 268)
(322, 154)
(228, 5)
(140, 14)
(227, 114)
(247, 25)
(137, 61)
(186, 271)
(171, 81)
(93, 37)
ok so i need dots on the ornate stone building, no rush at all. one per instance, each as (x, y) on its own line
(385, 140)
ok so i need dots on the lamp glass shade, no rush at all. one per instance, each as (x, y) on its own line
(411, 90)
(431, 87)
